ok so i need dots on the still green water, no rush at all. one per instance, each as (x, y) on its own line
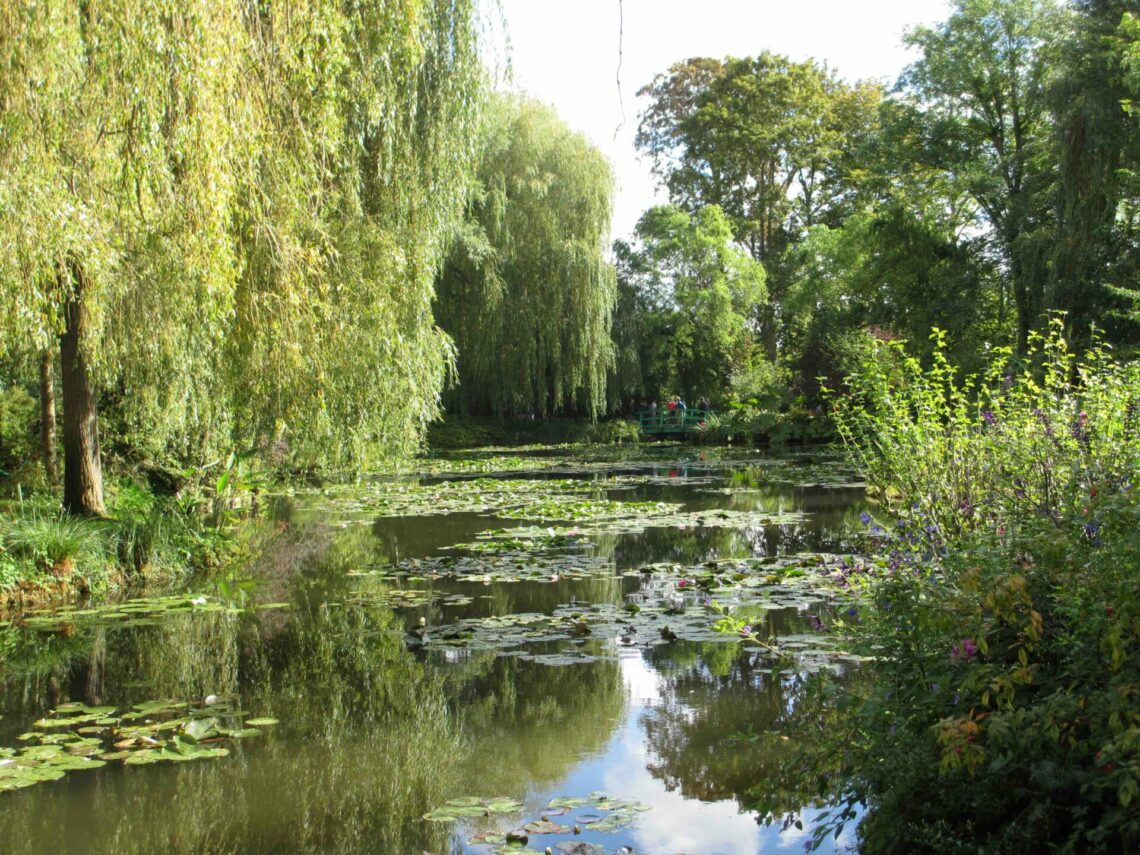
(565, 657)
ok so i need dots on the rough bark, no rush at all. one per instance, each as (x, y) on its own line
(82, 463)
(47, 415)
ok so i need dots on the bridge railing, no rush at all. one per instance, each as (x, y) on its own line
(664, 420)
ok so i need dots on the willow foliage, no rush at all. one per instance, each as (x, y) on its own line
(527, 294)
(371, 108)
(117, 155)
(257, 194)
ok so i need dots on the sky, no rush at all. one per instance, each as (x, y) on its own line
(565, 52)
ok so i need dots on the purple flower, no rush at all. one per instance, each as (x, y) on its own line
(864, 518)
(989, 418)
(1080, 428)
(964, 651)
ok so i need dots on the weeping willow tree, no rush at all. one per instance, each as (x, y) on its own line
(229, 216)
(116, 150)
(369, 115)
(526, 293)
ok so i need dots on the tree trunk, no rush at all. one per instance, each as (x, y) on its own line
(82, 465)
(770, 331)
(47, 415)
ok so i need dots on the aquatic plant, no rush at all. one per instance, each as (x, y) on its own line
(75, 737)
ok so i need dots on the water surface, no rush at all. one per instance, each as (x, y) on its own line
(384, 716)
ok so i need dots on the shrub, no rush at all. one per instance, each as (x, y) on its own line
(1002, 610)
(613, 432)
(19, 423)
(1015, 444)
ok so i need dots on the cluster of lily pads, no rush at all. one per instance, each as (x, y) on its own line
(596, 812)
(674, 603)
(148, 611)
(401, 498)
(512, 566)
(636, 517)
(75, 737)
(408, 598)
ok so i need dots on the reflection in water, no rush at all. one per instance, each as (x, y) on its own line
(529, 724)
(365, 741)
(373, 735)
(722, 721)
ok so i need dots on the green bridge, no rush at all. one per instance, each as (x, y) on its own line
(663, 420)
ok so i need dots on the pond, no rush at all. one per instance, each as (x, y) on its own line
(501, 646)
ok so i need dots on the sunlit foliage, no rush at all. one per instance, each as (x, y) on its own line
(527, 293)
(248, 203)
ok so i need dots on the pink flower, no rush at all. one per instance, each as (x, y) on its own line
(964, 651)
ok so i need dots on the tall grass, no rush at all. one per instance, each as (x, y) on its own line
(144, 536)
(38, 544)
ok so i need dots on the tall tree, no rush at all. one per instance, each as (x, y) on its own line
(1094, 137)
(982, 83)
(697, 293)
(527, 293)
(368, 121)
(230, 215)
(763, 138)
(113, 117)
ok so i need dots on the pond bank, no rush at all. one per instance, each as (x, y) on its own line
(48, 556)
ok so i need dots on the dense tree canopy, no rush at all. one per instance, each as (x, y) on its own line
(981, 85)
(996, 183)
(230, 215)
(763, 138)
(229, 225)
(527, 293)
(687, 320)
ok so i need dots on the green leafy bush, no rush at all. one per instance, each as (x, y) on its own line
(1002, 608)
(19, 419)
(613, 432)
(145, 535)
(1011, 444)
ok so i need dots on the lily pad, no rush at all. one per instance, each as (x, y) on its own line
(487, 838)
(545, 826)
(153, 732)
(579, 847)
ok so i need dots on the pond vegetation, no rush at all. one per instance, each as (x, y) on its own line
(500, 662)
(320, 460)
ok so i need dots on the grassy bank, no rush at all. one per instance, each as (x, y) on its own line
(46, 554)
